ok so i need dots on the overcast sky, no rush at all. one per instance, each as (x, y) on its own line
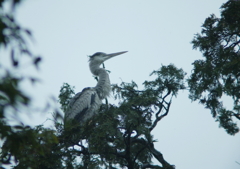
(155, 33)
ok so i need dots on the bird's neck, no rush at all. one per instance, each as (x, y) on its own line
(103, 86)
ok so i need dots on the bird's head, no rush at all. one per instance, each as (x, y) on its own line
(100, 57)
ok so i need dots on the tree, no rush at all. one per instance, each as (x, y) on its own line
(218, 74)
(121, 135)
(118, 136)
(20, 141)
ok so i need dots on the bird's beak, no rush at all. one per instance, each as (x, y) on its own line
(115, 54)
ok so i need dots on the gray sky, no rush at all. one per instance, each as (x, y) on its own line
(154, 32)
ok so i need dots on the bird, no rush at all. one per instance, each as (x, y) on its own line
(84, 105)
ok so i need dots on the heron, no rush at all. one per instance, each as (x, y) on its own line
(84, 105)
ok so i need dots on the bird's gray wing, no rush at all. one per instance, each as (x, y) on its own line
(82, 103)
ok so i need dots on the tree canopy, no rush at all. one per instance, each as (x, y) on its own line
(218, 74)
(120, 135)
(18, 141)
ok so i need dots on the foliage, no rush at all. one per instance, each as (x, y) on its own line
(22, 141)
(120, 136)
(218, 75)
(21, 144)
(66, 94)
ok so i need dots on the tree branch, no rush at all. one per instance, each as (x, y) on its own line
(229, 39)
(139, 153)
(237, 115)
(234, 44)
(158, 155)
(151, 166)
(158, 118)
